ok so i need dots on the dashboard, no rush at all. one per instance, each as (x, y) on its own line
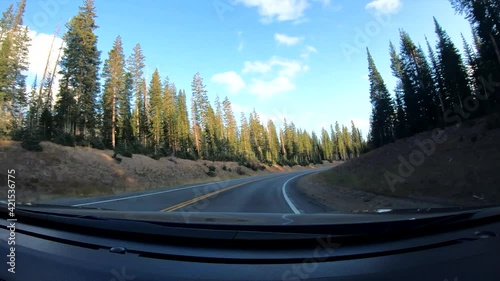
(44, 250)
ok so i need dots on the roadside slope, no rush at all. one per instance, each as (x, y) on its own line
(458, 167)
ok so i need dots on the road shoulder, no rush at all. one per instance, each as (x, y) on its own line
(346, 199)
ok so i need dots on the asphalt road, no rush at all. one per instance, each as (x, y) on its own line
(273, 193)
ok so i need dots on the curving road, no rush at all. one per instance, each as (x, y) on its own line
(274, 193)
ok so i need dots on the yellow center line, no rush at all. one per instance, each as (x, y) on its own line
(199, 198)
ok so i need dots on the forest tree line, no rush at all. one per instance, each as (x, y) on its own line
(131, 113)
(444, 86)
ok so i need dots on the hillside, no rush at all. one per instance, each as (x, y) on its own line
(60, 171)
(462, 170)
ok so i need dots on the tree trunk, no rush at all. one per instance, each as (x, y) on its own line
(496, 47)
(113, 119)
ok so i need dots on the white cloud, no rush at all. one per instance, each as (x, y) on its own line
(283, 10)
(275, 76)
(311, 49)
(231, 80)
(256, 67)
(385, 6)
(265, 89)
(285, 67)
(37, 58)
(308, 51)
(284, 39)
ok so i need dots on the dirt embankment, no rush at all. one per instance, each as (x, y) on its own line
(454, 167)
(60, 171)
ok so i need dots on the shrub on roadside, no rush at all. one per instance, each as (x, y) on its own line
(211, 171)
(64, 139)
(253, 165)
(240, 171)
(31, 144)
(123, 150)
(97, 143)
(81, 141)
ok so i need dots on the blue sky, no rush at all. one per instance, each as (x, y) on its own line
(303, 60)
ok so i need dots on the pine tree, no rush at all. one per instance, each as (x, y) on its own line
(169, 115)
(484, 17)
(245, 147)
(333, 137)
(136, 64)
(346, 139)
(21, 43)
(210, 147)
(220, 131)
(422, 110)
(470, 60)
(6, 21)
(31, 118)
(256, 137)
(185, 140)
(400, 122)
(326, 145)
(316, 149)
(155, 110)
(382, 107)
(437, 76)
(231, 128)
(289, 142)
(114, 88)
(273, 140)
(339, 141)
(356, 141)
(144, 115)
(79, 86)
(14, 43)
(474, 74)
(455, 80)
(199, 108)
(125, 130)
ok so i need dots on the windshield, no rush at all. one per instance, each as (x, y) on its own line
(250, 107)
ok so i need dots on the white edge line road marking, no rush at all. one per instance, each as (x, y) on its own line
(147, 194)
(287, 199)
